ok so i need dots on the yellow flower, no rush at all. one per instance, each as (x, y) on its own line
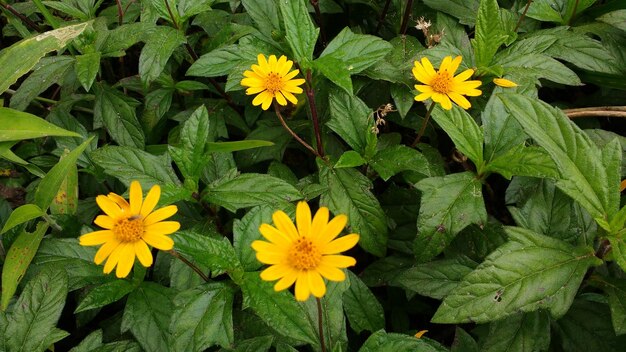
(272, 79)
(129, 227)
(505, 83)
(442, 85)
(304, 254)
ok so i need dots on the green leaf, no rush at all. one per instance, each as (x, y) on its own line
(105, 294)
(50, 184)
(335, 71)
(18, 259)
(49, 71)
(30, 50)
(279, 310)
(300, 32)
(31, 325)
(264, 14)
(77, 261)
(21, 215)
(89, 343)
(16, 125)
(616, 292)
(403, 98)
(87, 68)
(536, 65)
(351, 119)
(348, 192)
(202, 317)
(524, 161)
(502, 132)
(395, 159)
(235, 146)
(435, 279)
(522, 332)
(381, 341)
(246, 230)
(117, 112)
(224, 60)
(191, 156)
(586, 327)
(66, 199)
(396, 66)
(147, 316)
(464, 10)
(215, 254)
(463, 342)
(449, 204)
(356, 52)
(248, 190)
(583, 175)
(463, 130)
(160, 45)
(128, 164)
(362, 308)
(616, 19)
(543, 208)
(489, 32)
(528, 273)
(349, 159)
(255, 344)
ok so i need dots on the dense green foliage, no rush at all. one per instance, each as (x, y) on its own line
(499, 228)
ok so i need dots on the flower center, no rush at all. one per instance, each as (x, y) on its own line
(273, 82)
(130, 229)
(442, 83)
(304, 255)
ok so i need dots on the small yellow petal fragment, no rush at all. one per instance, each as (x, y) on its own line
(505, 83)
(420, 333)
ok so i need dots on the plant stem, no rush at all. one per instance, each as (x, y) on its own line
(310, 94)
(293, 134)
(189, 264)
(424, 124)
(569, 22)
(601, 111)
(521, 18)
(120, 12)
(320, 323)
(383, 14)
(53, 102)
(52, 223)
(405, 18)
(23, 18)
(318, 14)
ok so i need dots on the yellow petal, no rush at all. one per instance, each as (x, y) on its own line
(275, 236)
(105, 251)
(126, 261)
(460, 100)
(143, 253)
(503, 82)
(287, 280)
(152, 198)
(338, 261)
(121, 202)
(158, 241)
(423, 96)
(136, 197)
(261, 98)
(290, 97)
(428, 67)
(163, 227)
(445, 64)
(254, 90)
(303, 218)
(270, 257)
(261, 59)
(464, 75)
(281, 99)
(340, 244)
(291, 75)
(420, 73)
(302, 287)
(443, 100)
(423, 88)
(106, 222)
(622, 186)
(275, 272)
(420, 333)
(320, 220)
(96, 238)
(267, 102)
(160, 215)
(272, 62)
(333, 229)
(330, 272)
(454, 65)
(284, 224)
(113, 258)
(316, 284)
(109, 207)
(267, 247)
